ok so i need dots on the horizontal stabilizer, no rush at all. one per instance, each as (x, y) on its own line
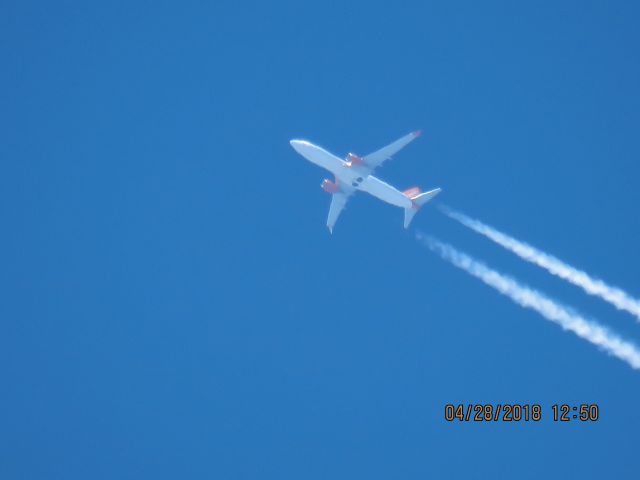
(418, 199)
(423, 198)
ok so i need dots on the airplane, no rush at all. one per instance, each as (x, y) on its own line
(355, 173)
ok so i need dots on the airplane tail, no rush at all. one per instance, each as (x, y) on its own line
(418, 199)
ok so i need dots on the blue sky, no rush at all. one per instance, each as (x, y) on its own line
(173, 304)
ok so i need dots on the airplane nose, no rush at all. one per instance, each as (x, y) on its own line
(298, 145)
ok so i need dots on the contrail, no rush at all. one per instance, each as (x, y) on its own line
(528, 298)
(615, 296)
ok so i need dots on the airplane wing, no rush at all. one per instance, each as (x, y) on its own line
(338, 202)
(377, 158)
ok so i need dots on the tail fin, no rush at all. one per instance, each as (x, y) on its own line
(418, 199)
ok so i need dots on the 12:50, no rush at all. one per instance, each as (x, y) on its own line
(584, 412)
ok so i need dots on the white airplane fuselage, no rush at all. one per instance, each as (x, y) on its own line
(351, 177)
(355, 173)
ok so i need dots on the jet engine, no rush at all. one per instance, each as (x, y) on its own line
(329, 186)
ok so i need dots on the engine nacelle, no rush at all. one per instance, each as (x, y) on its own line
(329, 186)
(353, 159)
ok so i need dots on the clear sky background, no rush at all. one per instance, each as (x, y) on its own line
(173, 305)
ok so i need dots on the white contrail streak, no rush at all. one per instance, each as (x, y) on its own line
(615, 296)
(526, 297)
